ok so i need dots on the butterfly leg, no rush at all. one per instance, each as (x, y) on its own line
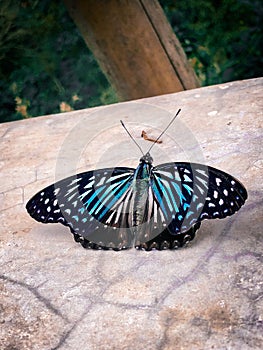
(166, 240)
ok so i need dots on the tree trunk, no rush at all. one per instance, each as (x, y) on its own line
(134, 45)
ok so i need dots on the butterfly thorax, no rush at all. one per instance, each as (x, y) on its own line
(141, 183)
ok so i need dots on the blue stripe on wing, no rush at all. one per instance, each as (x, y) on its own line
(82, 202)
(113, 196)
(196, 192)
(167, 185)
(108, 188)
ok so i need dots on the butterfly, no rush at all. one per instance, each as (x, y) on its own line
(150, 207)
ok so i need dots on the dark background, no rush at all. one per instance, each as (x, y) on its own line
(46, 68)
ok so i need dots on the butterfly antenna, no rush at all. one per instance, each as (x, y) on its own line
(158, 138)
(136, 143)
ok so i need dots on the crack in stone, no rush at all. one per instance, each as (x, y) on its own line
(67, 334)
(35, 292)
(243, 254)
(64, 337)
(193, 274)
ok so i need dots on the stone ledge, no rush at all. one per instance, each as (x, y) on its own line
(56, 295)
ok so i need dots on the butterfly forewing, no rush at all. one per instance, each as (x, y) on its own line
(225, 195)
(90, 203)
(188, 193)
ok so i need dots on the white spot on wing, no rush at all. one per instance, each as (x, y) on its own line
(218, 181)
(75, 204)
(72, 189)
(72, 196)
(164, 173)
(83, 195)
(101, 182)
(108, 221)
(162, 218)
(90, 184)
(200, 189)
(75, 180)
(200, 205)
(204, 182)
(187, 178)
(56, 191)
(112, 178)
(203, 172)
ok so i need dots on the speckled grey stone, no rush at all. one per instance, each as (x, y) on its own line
(57, 295)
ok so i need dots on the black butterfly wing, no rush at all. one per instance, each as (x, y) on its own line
(188, 193)
(98, 206)
(225, 195)
(94, 205)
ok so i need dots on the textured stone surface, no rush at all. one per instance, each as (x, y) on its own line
(56, 295)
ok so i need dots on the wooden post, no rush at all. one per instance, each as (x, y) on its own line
(134, 45)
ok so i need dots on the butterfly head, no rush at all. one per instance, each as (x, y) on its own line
(147, 158)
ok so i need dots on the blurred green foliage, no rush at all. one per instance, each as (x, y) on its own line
(46, 67)
(222, 38)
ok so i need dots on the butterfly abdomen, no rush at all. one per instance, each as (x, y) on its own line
(141, 189)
